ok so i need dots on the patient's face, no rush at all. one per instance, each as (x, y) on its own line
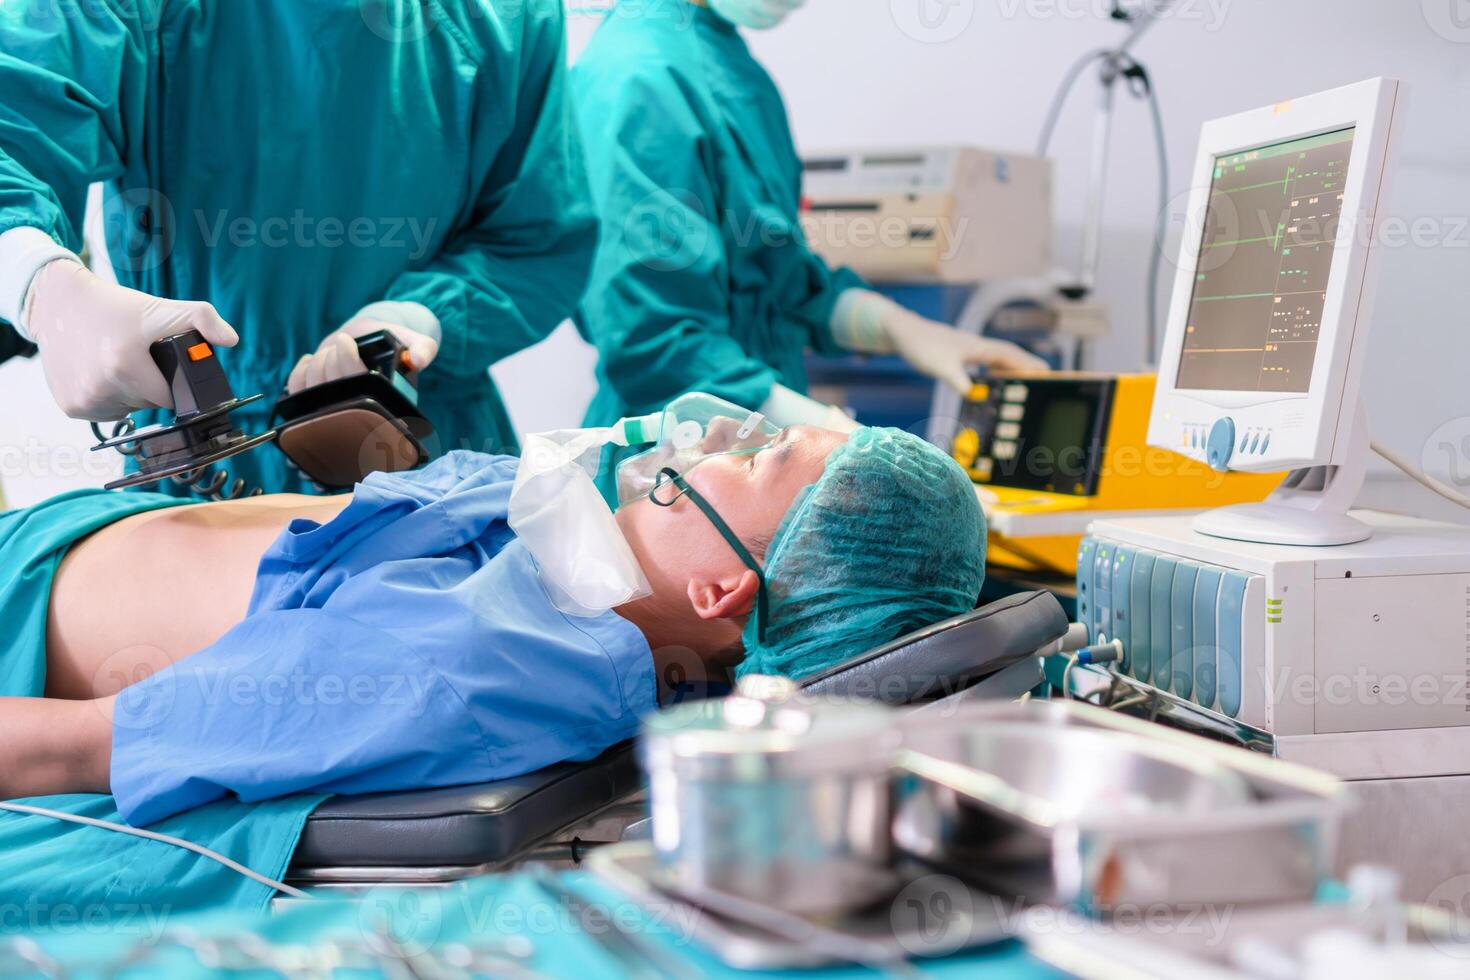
(750, 491)
(753, 491)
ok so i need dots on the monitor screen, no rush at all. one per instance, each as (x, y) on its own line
(1066, 424)
(1263, 265)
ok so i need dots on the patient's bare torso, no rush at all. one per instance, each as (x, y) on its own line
(154, 588)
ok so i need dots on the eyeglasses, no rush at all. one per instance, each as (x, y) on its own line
(663, 497)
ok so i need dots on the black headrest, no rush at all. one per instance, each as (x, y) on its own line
(949, 656)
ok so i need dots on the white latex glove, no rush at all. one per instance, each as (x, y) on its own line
(786, 407)
(839, 421)
(867, 322)
(415, 327)
(94, 338)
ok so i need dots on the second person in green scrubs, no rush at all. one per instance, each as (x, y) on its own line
(703, 279)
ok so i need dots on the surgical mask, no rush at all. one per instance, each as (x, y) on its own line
(760, 15)
(694, 428)
(670, 486)
(585, 563)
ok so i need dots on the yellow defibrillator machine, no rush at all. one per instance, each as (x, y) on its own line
(1055, 452)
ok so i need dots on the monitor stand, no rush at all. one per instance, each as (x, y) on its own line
(1309, 508)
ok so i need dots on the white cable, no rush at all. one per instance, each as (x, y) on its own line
(1155, 266)
(1419, 476)
(1129, 702)
(235, 866)
(1059, 99)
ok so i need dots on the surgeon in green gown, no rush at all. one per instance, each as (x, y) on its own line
(703, 279)
(290, 174)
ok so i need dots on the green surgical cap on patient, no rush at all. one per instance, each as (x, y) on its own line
(890, 539)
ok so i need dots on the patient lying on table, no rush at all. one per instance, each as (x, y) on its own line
(400, 638)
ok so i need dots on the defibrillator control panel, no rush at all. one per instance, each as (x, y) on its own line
(1036, 433)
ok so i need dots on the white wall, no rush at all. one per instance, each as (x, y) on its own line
(894, 72)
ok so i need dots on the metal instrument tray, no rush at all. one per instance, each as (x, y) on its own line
(933, 915)
(1065, 803)
(1236, 946)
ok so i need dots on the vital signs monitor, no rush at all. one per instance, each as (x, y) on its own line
(1267, 329)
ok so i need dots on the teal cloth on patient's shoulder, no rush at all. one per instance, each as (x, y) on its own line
(52, 872)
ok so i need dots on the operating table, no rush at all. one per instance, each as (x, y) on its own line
(558, 813)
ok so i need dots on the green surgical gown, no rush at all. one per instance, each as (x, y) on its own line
(291, 161)
(703, 279)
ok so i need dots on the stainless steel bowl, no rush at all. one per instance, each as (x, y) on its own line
(1062, 802)
(1004, 787)
(774, 797)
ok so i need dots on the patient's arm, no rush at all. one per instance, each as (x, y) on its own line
(151, 589)
(55, 746)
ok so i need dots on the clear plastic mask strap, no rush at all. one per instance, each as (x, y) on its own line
(672, 476)
(751, 423)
